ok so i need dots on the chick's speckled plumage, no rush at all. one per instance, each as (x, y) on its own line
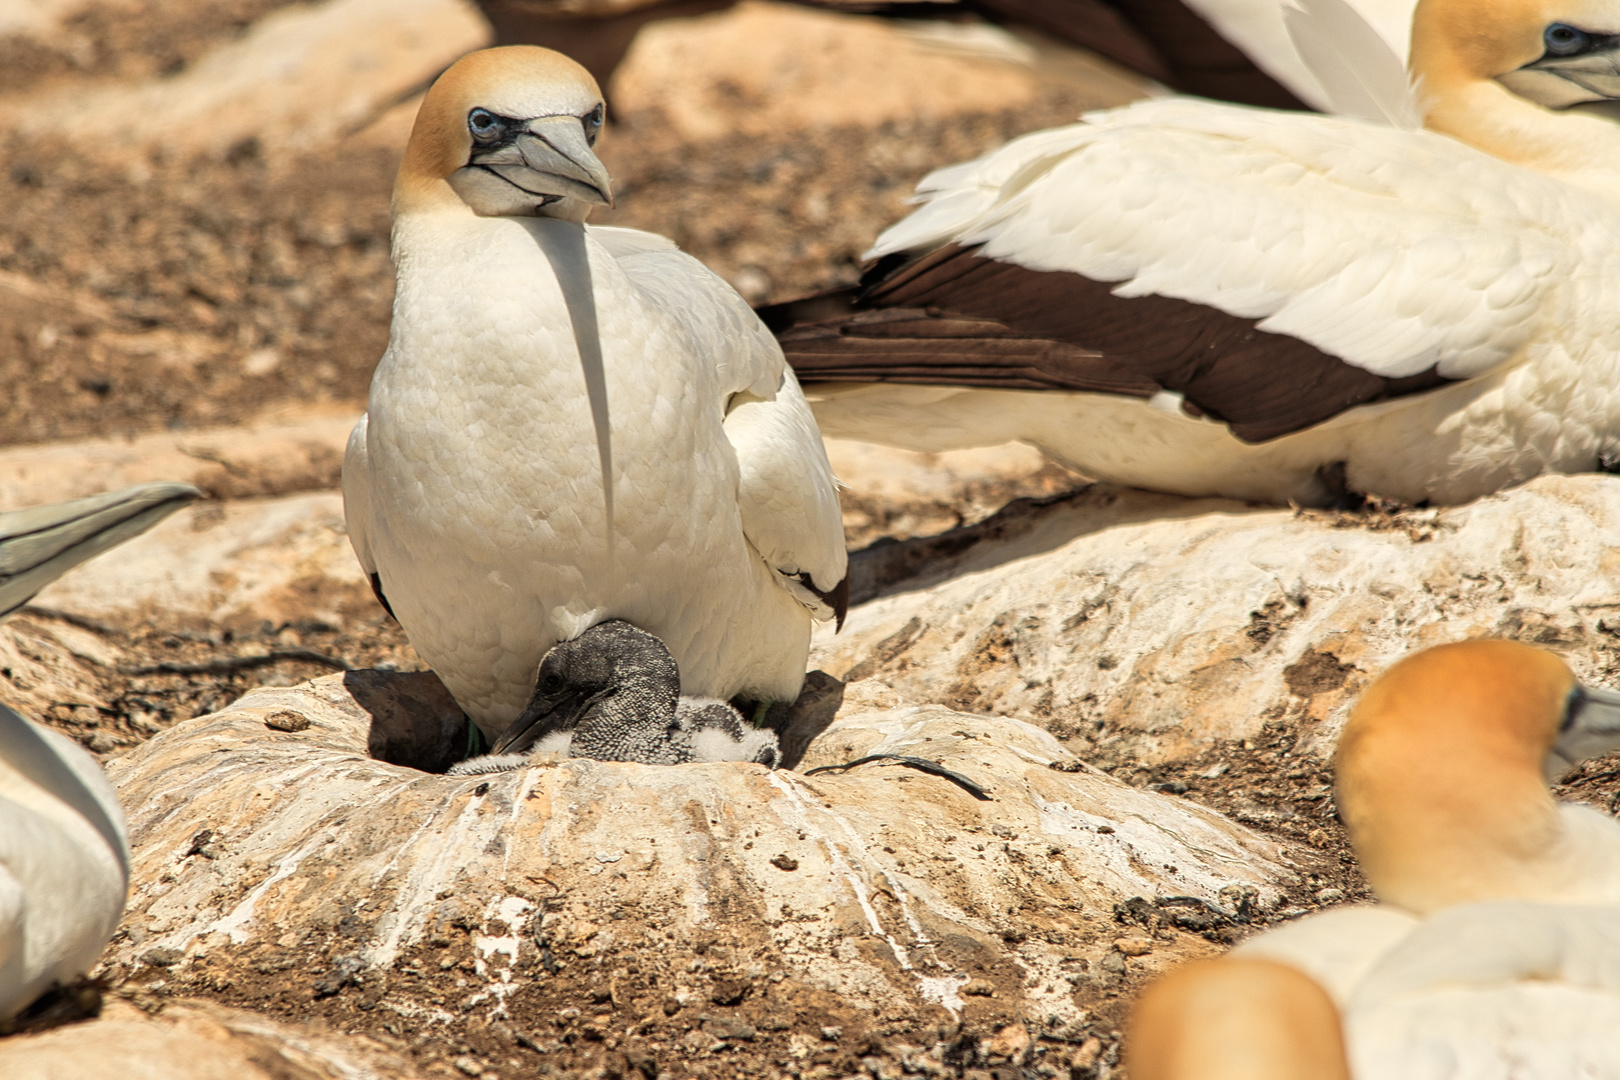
(613, 694)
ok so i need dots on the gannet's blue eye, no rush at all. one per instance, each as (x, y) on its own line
(1565, 40)
(593, 123)
(483, 124)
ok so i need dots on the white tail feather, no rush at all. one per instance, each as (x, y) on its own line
(1361, 74)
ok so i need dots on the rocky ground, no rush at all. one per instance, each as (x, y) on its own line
(194, 285)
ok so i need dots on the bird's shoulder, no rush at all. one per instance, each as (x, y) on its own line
(1337, 948)
(703, 308)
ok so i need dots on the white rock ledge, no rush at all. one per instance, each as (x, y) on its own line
(1153, 626)
(880, 884)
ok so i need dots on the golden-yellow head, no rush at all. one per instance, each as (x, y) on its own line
(1442, 771)
(507, 132)
(1553, 52)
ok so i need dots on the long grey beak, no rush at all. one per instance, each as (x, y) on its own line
(40, 544)
(1561, 81)
(557, 149)
(1591, 728)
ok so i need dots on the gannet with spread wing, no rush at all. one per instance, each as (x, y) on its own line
(576, 424)
(1209, 299)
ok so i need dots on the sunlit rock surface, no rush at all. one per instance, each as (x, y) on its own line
(258, 839)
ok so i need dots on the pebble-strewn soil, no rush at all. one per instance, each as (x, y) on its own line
(191, 292)
(181, 293)
(129, 40)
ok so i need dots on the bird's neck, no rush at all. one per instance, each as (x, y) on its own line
(1581, 149)
(500, 276)
(1438, 821)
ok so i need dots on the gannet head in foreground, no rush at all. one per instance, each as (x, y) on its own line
(613, 694)
(507, 133)
(1441, 778)
(1232, 1019)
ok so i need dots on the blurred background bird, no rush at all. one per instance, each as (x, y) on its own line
(1496, 948)
(1203, 299)
(1225, 49)
(64, 854)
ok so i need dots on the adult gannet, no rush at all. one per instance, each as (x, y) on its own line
(575, 424)
(1496, 950)
(614, 694)
(1233, 1019)
(1207, 299)
(64, 853)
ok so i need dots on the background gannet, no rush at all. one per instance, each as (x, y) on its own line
(64, 853)
(1233, 1019)
(613, 694)
(1207, 299)
(1496, 950)
(571, 424)
(41, 543)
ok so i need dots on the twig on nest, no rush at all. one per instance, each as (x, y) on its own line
(81, 621)
(225, 665)
(967, 784)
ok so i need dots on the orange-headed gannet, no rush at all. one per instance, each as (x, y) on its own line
(1207, 299)
(1496, 949)
(576, 424)
(1235, 1019)
(64, 854)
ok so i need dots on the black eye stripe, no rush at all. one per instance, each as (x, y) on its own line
(1572, 708)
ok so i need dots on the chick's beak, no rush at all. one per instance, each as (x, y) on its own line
(543, 715)
(1591, 728)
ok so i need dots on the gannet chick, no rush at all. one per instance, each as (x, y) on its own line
(1495, 951)
(64, 850)
(1212, 300)
(1232, 1019)
(573, 424)
(613, 694)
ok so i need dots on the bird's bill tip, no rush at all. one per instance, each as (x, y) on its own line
(561, 149)
(1590, 728)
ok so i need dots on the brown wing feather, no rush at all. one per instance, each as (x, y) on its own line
(955, 318)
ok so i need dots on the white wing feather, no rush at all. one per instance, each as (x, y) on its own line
(1258, 27)
(718, 322)
(786, 495)
(1393, 250)
(1358, 70)
(357, 497)
(64, 860)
